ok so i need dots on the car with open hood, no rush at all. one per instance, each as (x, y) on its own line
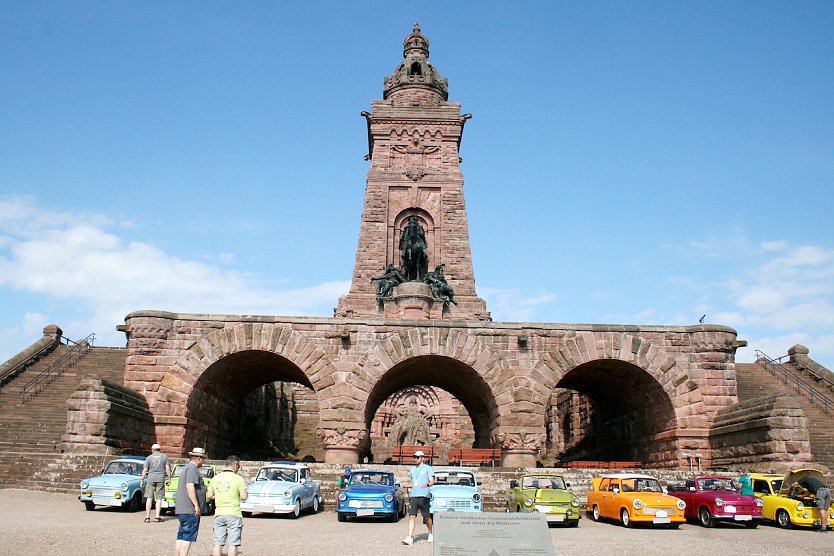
(633, 498)
(282, 487)
(455, 490)
(544, 493)
(207, 471)
(713, 498)
(371, 493)
(117, 486)
(784, 506)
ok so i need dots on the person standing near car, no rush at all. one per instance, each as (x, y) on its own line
(822, 496)
(745, 485)
(422, 477)
(228, 489)
(155, 472)
(191, 499)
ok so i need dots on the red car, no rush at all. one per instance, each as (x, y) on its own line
(712, 498)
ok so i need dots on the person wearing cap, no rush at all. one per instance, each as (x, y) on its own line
(422, 477)
(155, 472)
(191, 499)
(343, 480)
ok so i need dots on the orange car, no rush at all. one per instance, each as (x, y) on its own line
(633, 499)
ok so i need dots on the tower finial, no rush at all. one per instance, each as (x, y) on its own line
(417, 27)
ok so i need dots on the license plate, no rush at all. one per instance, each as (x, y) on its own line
(364, 513)
(115, 502)
(730, 509)
(263, 509)
(558, 518)
(661, 520)
(742, 517)
(661, 514)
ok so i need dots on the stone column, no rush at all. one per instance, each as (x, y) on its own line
(342, 446)
(520, 448)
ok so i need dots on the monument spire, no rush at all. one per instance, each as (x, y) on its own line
(413, 260)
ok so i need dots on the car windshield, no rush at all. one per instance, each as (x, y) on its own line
(543, 482)
(205, 471)
(277, 474)
(454, 478)
(716, 484)
(370, 478)
(641, 485)
(123, 468)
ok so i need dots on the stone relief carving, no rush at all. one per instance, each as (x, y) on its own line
(521, 440)
(341, 437)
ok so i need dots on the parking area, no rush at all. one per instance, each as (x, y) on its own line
(46, 523)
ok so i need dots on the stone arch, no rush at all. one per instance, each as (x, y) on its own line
(224, 369)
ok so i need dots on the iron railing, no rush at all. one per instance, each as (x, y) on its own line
(57, 368)
(791, 378)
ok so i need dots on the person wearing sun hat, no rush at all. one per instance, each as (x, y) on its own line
(156, 470)
(191, 499)
(422, 477)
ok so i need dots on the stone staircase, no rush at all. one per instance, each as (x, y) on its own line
(755, 380)
(30, 432)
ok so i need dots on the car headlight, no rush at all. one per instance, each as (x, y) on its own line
(800, 506)
(117, 495)
(124, 487)
(440, 503)
(84, 485)
(476, 497)
(528, 501)
(342, 496)
(389, 497)
(637, 503)
(681, 505)
(759, 502)
(575, 502)
(288, 494)
(719, 501)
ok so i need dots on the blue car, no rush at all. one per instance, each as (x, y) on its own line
(455, 490)
(371, 493)
(117, 486)
(282, 487)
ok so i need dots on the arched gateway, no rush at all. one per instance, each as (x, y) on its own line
(412, 320)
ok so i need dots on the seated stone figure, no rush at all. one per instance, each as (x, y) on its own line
(390, 278)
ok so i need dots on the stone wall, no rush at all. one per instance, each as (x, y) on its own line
(102, 416)
(767, 433)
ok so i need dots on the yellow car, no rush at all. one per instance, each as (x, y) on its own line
(632, 499)
(788, 509)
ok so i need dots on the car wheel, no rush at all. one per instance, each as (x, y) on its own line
(706, 519)
(595, 513)
(341, 517)
(246, 514)
(135, 503)
(625, 518)
(394, 517)
(89, 506)
(783, 520)
(296, 510)
(316, 506)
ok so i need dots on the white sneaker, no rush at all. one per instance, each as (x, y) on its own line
(408, 540)
(431, 538)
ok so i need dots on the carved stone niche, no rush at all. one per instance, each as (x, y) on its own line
(412, 301)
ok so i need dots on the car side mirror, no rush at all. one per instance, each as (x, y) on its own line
(692, 488)
(665, 491)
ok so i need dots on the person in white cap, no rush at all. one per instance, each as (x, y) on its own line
(155, 472)
(191, 499)
(422, 477)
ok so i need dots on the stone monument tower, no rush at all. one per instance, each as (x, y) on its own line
(414, 183)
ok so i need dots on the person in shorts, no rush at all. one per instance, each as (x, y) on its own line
(822, 495)
(422, 477)
(228, 489)
(191, 499)
(155, 472)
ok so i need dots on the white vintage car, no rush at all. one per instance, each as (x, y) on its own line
(282, 487)
(455, 490)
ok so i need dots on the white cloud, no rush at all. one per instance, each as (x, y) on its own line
(513, 305)
(104, 277)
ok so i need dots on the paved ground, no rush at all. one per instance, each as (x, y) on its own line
(44, 523)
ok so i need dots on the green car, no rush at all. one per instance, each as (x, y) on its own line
(547, 494)
(170, 502)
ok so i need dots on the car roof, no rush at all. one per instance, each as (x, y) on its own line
(355, 471)
(766, 476)
(131, 459)
(454, 470)
(286, 465)
(627, 476)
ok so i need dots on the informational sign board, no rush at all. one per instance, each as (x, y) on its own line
(491, 534)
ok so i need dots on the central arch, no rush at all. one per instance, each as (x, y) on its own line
(247, 403)
(453, 376)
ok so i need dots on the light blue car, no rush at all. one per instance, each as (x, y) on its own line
(117, 486)
(282, 487)
(455, 490)
(371, 493)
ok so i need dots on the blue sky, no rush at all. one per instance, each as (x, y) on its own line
(627, 162)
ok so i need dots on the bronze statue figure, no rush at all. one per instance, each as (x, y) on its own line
(390, 278)
(413, 257)
(440, 288)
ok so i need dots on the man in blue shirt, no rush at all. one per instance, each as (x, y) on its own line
(422, 477)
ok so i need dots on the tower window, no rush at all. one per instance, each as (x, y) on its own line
(416, 69)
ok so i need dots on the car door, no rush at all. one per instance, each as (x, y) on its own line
(606, 497)
(306, 488)
(762, 489)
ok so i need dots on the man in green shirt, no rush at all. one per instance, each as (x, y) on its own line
(228, 489)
